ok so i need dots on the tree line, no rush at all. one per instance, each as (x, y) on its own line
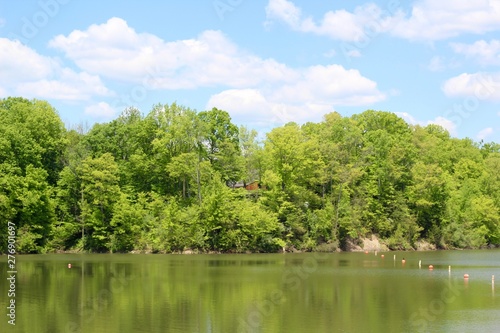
(164, 182)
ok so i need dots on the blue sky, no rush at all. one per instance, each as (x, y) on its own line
(266, 62)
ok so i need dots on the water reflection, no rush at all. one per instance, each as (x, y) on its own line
(338, 292)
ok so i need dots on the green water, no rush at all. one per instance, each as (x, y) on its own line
(338, 292)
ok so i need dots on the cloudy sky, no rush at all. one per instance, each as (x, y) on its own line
(266, 62)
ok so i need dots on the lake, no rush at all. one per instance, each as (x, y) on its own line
(306, 292)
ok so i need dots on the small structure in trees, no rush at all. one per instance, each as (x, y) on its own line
(247, 186)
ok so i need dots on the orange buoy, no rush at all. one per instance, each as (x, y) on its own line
(403, 261)
(381, 256)
(69, 265)
(366, 252)
(431, 267)
(466, 276)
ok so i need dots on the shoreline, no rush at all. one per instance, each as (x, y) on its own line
(288, 250)
(369, 244)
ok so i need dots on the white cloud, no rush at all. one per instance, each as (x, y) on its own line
(447, 124)
(25, 72)
(115, 50)
(439, 64)
(436, 64)
(486, 53)
(19, 63)
(359, 25)
(318, 90)
(285, 11)
(241, 101)
(330, 53)
(483, 134)
(331, 84)
(428, 20)
(100, 110)
(252, 107)
(482, 86)
(68, 86)
(354, 54)
(436, 20)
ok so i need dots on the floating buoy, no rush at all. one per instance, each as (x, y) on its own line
(420, 264)
(449, 269)
(366, 252)
(403, 261)
(69, 265)
(431, 267)
(381, 256)
(466, 276)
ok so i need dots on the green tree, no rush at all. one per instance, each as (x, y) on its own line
(36, 135)
(252, 155)
(125, 224)
(221, 143)
(100, 191)
(31, 147)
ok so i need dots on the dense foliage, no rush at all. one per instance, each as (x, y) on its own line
(165, 183)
